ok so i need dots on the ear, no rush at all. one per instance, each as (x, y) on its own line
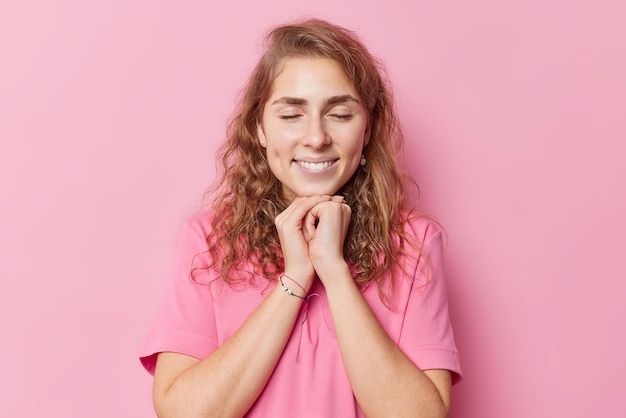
(366, 138)
(261, 134)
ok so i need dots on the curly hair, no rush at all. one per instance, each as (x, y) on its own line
(247, 197)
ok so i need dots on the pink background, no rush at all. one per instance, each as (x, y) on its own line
(514, 114)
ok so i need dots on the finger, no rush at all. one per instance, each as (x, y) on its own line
(303, 205)
(347, 215)
(308, 227)
(312, 217)
(323, 207)
(346, 208)
(297, 210)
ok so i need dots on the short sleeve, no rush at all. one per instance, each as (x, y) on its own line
(427, 337)
(185, 322)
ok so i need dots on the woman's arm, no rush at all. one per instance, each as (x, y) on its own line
(384, 380)
(228, 381)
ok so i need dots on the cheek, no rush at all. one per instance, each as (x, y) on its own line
(357, 139)
(282, 135)
(274, 155)
(278, 158)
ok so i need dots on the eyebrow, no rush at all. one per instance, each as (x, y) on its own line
(331, 101)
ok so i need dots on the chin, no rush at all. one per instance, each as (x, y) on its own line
(318, 192)
(311, 190)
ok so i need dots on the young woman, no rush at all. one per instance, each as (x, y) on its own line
(308, 288)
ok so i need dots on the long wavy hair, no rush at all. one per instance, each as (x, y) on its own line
(247, 197)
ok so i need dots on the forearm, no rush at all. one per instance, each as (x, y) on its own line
(228, 381)
(384, 380)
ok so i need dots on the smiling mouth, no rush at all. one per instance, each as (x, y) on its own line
(315, 166)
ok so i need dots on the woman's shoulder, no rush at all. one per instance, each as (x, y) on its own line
(420, 226)
(200, 222)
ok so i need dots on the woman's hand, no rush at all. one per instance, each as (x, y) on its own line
(296, 227)
(326, 244)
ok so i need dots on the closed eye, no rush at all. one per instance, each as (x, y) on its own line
(288, 117)
(347, 116)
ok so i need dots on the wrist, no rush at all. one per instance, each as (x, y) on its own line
(295, 282)
(295, 292)
(286, 283)
(335, 273)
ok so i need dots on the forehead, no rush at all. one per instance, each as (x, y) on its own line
(310, 76)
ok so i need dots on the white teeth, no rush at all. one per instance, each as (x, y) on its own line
(315, 166)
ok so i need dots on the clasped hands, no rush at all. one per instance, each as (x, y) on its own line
(312, 232)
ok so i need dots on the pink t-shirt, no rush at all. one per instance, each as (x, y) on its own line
(200, 312)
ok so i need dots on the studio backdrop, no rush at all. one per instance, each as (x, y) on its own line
(513, 114)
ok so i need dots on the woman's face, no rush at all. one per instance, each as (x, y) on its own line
(313, 128)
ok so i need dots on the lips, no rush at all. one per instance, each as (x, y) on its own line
(315, 166)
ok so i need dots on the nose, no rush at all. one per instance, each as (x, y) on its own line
(316, 136)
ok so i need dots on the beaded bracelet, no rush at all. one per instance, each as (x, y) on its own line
(286, 289)
(294, 282)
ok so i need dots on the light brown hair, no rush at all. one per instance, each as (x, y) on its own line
(247, 198)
